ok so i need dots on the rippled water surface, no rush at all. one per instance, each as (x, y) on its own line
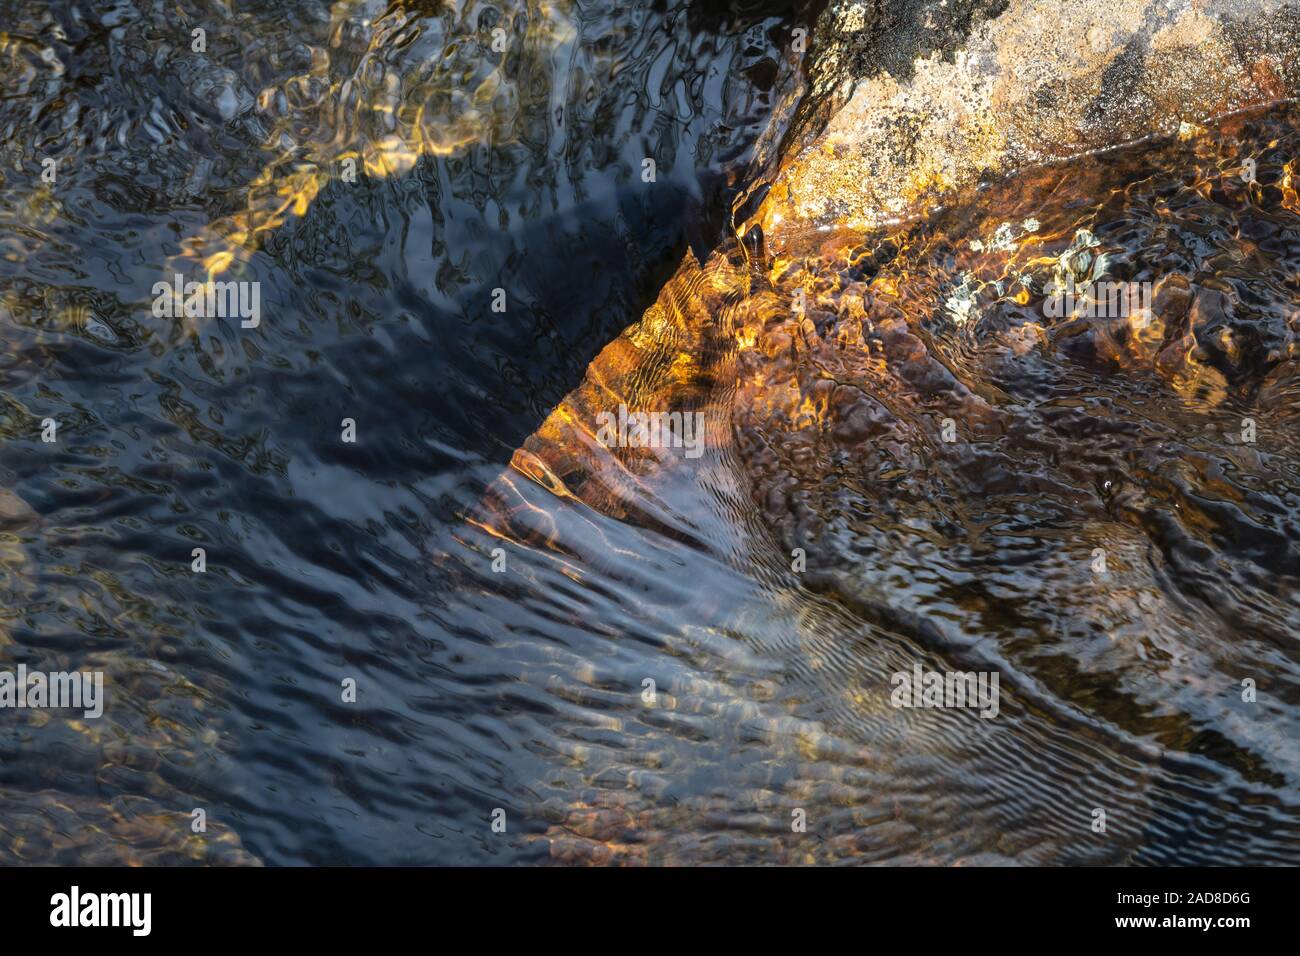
(501, 586)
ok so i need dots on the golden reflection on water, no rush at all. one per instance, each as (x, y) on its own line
(692, 341)
(941, 315)
(420, 87)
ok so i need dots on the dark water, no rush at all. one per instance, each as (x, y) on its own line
(518, 170)
(522, 689)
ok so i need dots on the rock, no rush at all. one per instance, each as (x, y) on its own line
(1039, 81)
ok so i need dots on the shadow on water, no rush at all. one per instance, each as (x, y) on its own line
(323, 557)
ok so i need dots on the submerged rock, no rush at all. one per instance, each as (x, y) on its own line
(1041, 80)
(1091, 496)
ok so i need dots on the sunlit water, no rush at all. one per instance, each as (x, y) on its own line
(524, 688)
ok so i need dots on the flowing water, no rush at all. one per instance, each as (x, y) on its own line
(907, 460)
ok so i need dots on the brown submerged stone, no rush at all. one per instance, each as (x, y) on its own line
(830, 370)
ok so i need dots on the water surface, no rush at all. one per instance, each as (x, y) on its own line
(522, 689)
